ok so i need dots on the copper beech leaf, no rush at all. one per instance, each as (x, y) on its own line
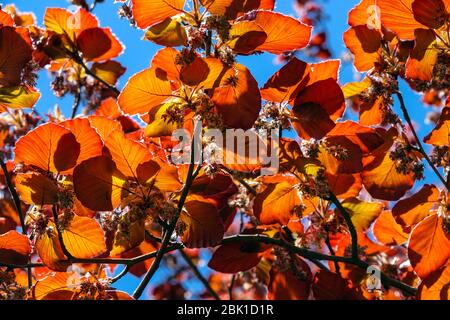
(292, 284)
(362, 213)
(202, 224)
(411, 210)
(84, 238)
(429, 246)
(276, 203)
(14, 248)
(150, 12)
(388, 231)
(49, 147)
(98, 184)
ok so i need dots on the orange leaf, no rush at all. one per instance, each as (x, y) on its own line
(430, 13)
(15, 53)
(159, 174)
(363, 14)
(99, 44)
(397, 16)
(110, 71)
(235, 8)
(98, 184)
(380, 176)
(64, 22)
(436, 285)
(310, 120)
(429, 246)
(5, 19)
(14, 248)
(104, 126)
(245, 37)
(126, 153)
(276, 203)
(49, 249)
(149, 12)
(344, 185)
(388, 231)
(205, 73)
(165, 62)
(55, 286)
(284, 33)
(365, 44)
(90, 143)
(108, 108)
(144, 91)
(325, 93)
(237, 99)
(367, 139)
(285, 81)
(423, 57)
(331, 286)
(412, 210)
(287, 285)
(36, 188)
(49, 147)
(203, 225)
(84, 238)
(440, 136)
(237, 257)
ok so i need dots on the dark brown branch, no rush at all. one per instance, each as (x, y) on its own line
(330, 248)
(348, 220)
(312, 255)
(15, 196)
(198, 274)
(75, 56)
(169, 231)
(76, 102)
(18, 206)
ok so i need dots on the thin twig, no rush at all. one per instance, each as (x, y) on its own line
(330, 248)
(21, 266)
(419, 144)
(241, 181)
(18, 206)
(198, 274)
(348, 220)
(169, 231)
(121, 274)
(230, 287)
(14, 195)
(308, 254)
(80, 61)
(76, 103)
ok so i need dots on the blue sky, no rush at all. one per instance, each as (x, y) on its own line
(138, 54)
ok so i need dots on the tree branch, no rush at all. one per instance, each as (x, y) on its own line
(312, 255)
(15, 196)
(349, 222)
(168, 233)
(18, 206)
(199, 275)
(76, 102)
(419, 144)
(75, 56)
